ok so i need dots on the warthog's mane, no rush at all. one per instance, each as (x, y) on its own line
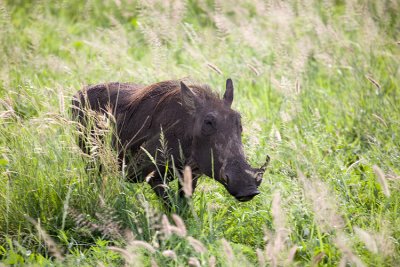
(168, 91)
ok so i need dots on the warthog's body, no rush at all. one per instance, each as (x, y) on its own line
(200, 130)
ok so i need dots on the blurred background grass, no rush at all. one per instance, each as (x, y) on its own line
(317, 83)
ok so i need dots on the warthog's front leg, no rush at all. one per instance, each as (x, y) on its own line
(160, 188)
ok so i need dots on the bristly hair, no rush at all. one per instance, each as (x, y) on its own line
(168, 90)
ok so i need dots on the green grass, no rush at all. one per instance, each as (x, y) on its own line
(317, 84)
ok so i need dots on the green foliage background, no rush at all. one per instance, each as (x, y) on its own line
(317, 83)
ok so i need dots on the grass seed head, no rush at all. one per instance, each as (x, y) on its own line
(166, 226)
(323, 203)
(170, 254)
(187, 181)
(317, 258)
(367, 238)
(260, 257)
(341, 242)
(143, 244)
(194, 262)
(212, 261)
(180, 228)
(197, 245)
(128, 256)
(382, 180)
(228, 252)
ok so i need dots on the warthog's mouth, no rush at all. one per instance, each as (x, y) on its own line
(248, 197)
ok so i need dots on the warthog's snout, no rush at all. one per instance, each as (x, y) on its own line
(241, 180)
(248, 196)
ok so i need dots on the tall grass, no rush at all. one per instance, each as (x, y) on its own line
(317, 83)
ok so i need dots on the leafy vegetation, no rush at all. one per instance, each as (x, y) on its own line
(317, 83)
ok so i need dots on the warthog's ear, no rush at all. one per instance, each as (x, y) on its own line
(189, 99)
(228, 95)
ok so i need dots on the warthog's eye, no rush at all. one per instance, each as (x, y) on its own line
(209, 125)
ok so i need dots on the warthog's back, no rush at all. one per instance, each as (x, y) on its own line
(97, 97)
(108, 98)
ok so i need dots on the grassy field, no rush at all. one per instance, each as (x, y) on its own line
(317, 84)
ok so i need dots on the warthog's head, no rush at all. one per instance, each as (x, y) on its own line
(217, 146)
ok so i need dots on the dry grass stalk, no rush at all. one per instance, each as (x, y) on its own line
(128, 256)
(158, 49)
(109, 227)
(187, 181)
(276, 244)
(212, 261)
(275, 135)
(380, 119)
(169, 254)
(377, 242)
(180, 228)
(226, 247)
(291, 254)
(260, 257)
(214, 68)
(9, 111)
(197, 245)
(374, 82)
(7, 114)
(348, 254)
(317, 259)
(279, 217)
(61, 101)
(297, 87)
(129, 252)
(128, 235)
(343, 262)
(153, 263)
(139, 243)
(382, 180)
(66, 206)
(392, 176)
(254, 69)
(385, 243)
(323, 203)
(99, 129)
(166, 226)
(355, 164)
(367, 238)
(224, 25)
(194, 262)
(54, 250)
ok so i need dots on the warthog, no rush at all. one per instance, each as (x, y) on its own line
(200, 130)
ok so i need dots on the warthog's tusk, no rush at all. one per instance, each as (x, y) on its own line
(265, 165)
(259, 175)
